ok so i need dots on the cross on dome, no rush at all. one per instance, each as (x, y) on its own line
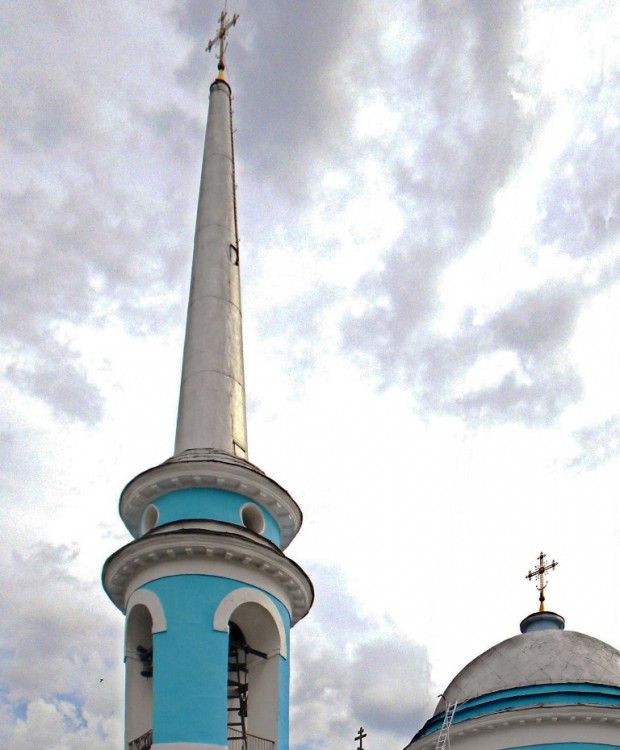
(539, 574)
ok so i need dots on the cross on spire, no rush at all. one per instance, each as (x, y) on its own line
(360, 738)
(539, 574)
(220, 37)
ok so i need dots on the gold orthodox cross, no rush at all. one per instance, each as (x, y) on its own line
(221, 38)
(360, 738)
(539, 574)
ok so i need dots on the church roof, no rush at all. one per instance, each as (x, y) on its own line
(536, 658)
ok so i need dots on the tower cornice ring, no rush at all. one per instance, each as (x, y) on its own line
(206, 552)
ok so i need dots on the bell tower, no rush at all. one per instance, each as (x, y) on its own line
(207, 591)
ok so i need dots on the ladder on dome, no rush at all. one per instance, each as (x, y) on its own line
(238, 690)
(444, 732)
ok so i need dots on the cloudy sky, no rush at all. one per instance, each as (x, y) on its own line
(430, 239)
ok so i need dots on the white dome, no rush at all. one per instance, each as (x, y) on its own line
(536, 658)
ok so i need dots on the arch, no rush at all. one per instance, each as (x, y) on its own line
(235, 599)
(138, 673)
(153, 604)
(258, 673)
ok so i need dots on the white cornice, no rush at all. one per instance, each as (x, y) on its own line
(207, 553)
(502, 721)
(198, 524)
(239, 477)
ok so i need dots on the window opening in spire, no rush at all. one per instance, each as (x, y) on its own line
(149, 519)
(252, 518)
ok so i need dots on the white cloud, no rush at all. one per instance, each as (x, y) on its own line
(351, 670)
(429, 325)
(60, 656)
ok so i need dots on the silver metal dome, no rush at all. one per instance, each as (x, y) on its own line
(536, 658)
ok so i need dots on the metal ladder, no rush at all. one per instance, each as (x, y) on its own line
(238, 692)
(444, 732)
(237, 685)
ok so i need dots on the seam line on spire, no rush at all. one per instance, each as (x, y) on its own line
(212, 224)
(217, 153)
(219, 372)
(214, 296)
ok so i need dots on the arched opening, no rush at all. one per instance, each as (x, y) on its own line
(138, 678)
(254, 643)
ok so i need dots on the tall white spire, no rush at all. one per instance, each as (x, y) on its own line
(206, 576)
(212, 400)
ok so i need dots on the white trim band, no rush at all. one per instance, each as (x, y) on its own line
(211, 554)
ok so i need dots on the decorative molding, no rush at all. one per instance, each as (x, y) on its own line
(556, 715)
(151, 601)
(238, 476)
(243, 596)
(207, 553)
(201, 524)
(529, 696)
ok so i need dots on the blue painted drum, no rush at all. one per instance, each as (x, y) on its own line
(207, 503)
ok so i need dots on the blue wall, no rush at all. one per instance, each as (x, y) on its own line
(210, 504)
(191, 662)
